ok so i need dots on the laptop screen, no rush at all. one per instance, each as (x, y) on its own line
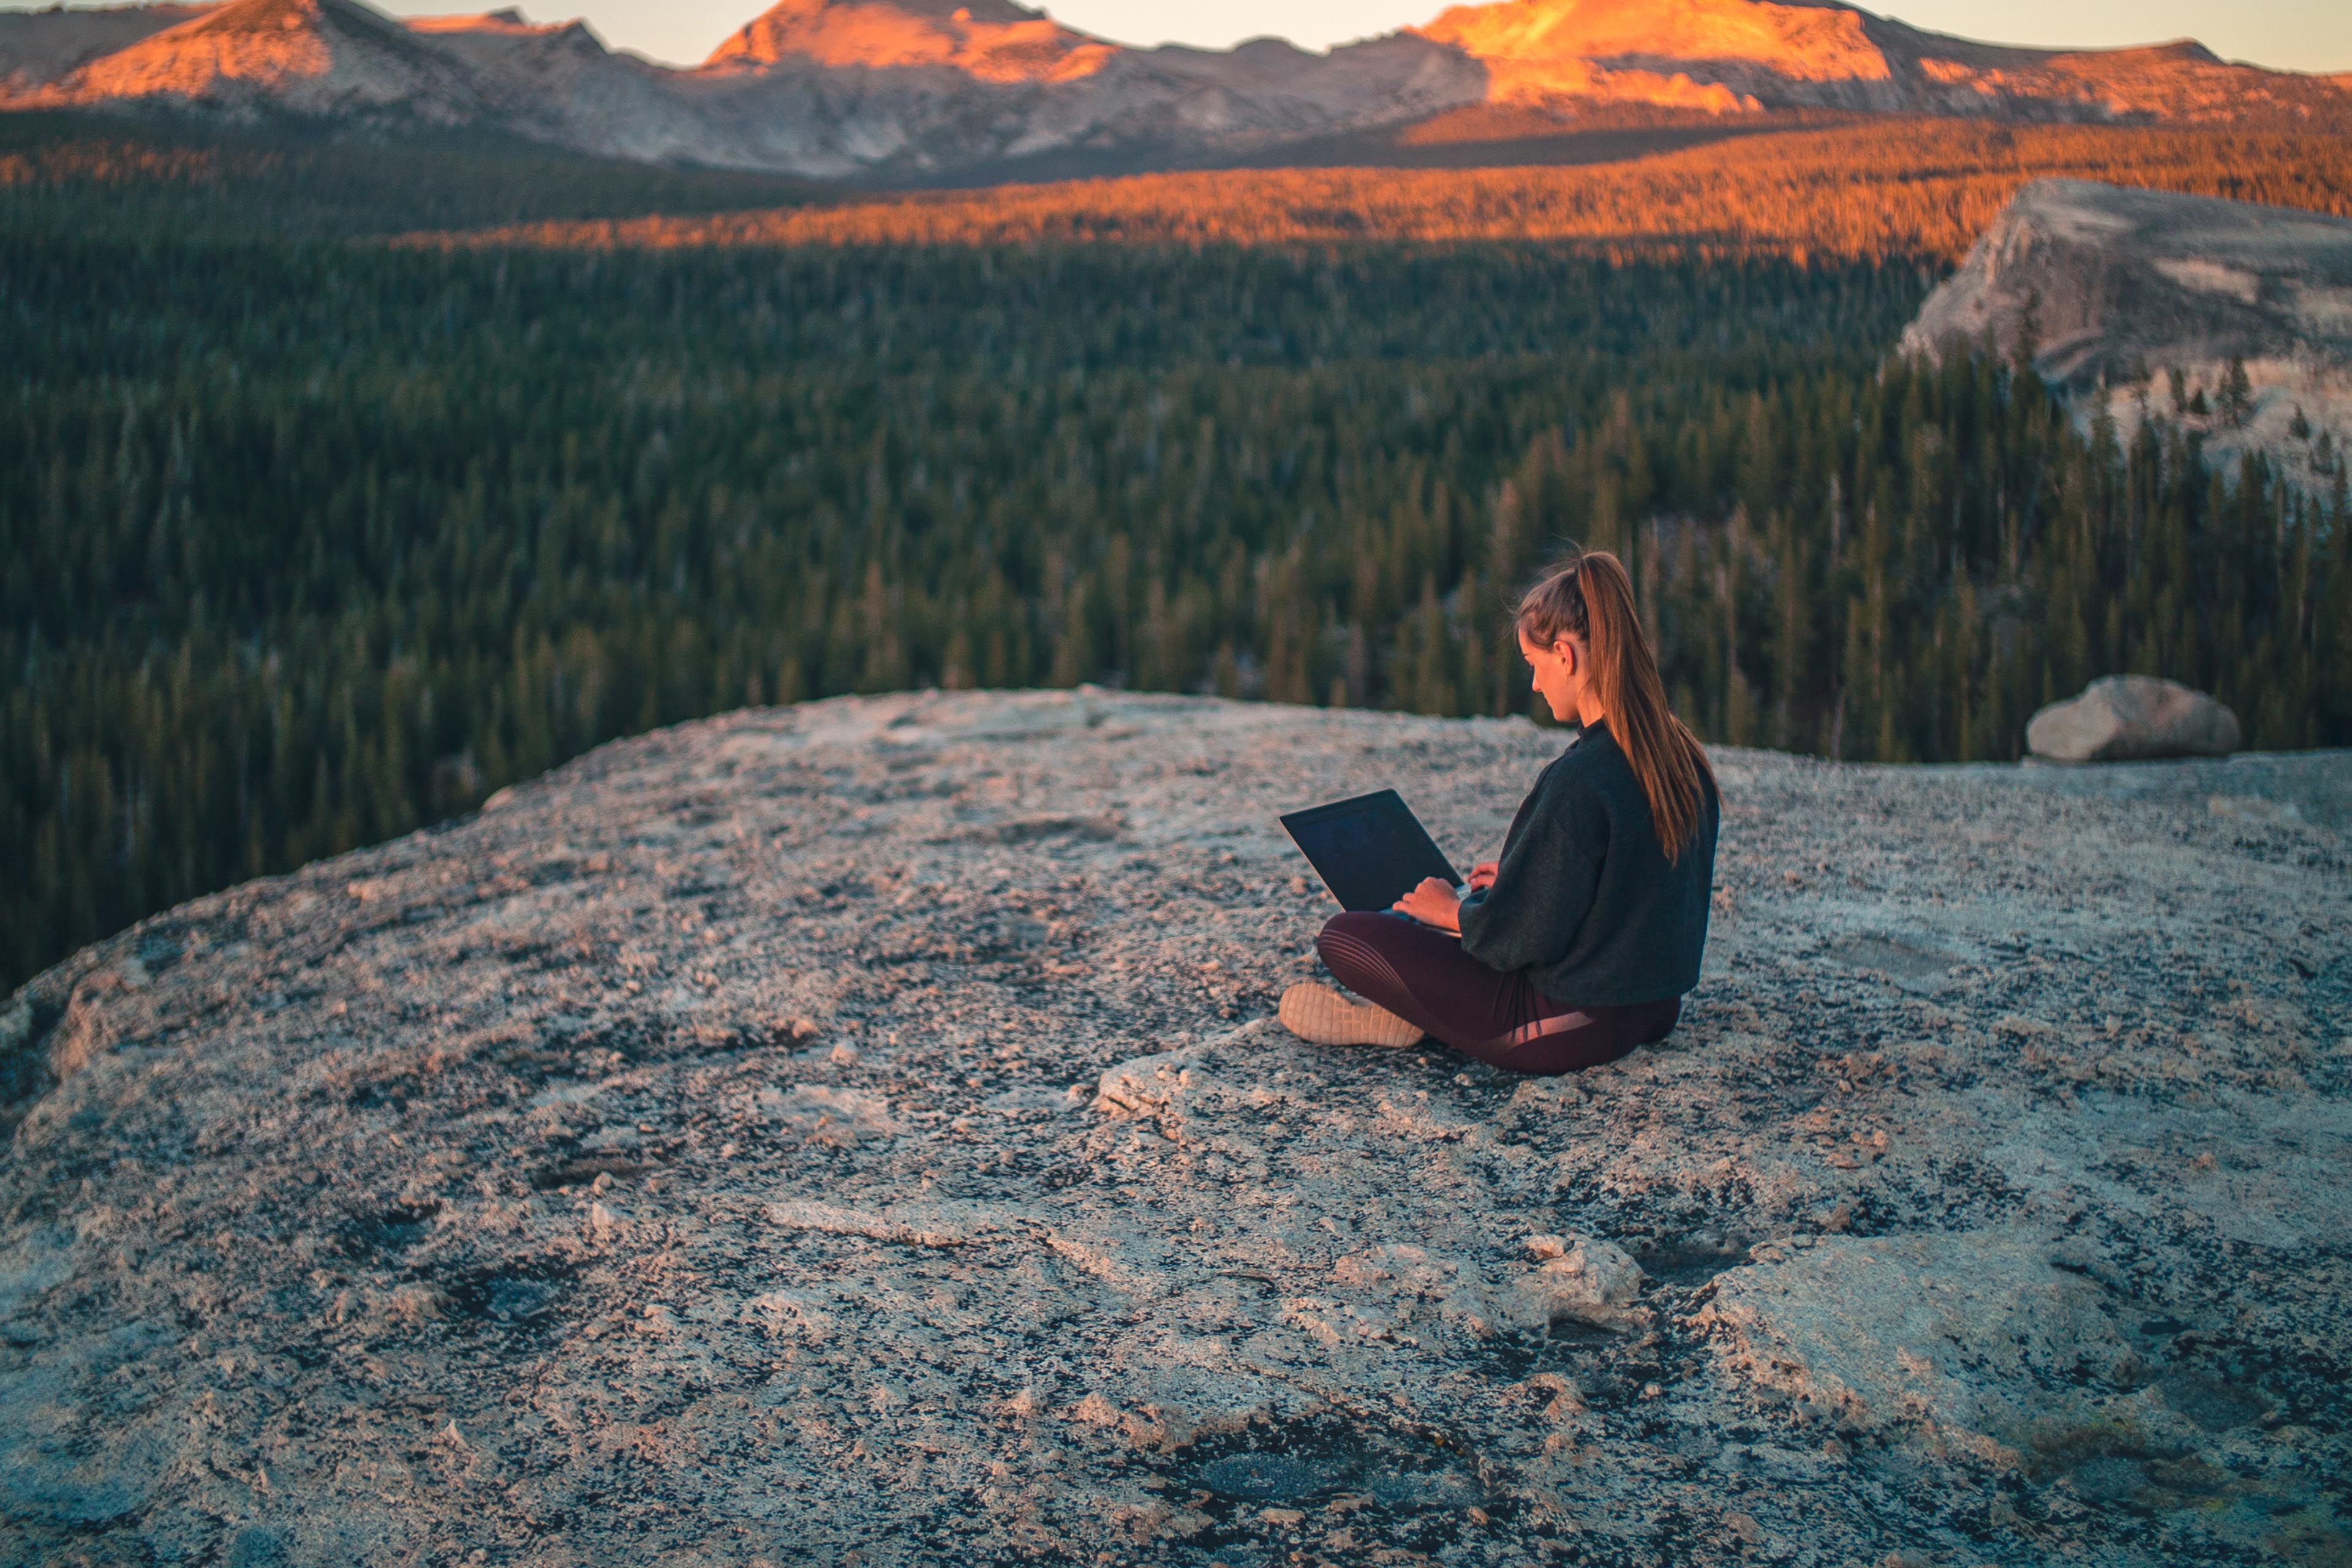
(1370, 851)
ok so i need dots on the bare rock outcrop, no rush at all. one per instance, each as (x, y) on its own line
(2133, 717)
(859, 1129)
(2123, 289)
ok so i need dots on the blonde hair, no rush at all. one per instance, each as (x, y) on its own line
(1589, 596)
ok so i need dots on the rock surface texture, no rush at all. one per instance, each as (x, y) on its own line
(912, 90)
(2126, 286)
(855, 1132)
(2133, 717)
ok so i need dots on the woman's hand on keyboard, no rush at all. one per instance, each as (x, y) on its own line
(1434, 903)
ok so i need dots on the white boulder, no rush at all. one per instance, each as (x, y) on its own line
(2130, 718)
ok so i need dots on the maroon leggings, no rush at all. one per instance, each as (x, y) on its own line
(1424, 977)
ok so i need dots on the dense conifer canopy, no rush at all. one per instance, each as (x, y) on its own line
(305, 544)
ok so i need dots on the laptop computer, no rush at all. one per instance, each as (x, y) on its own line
(1370, 851)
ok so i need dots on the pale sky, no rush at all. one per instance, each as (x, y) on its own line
(2295, 35)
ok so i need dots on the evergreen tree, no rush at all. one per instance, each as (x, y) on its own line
(2237, 394)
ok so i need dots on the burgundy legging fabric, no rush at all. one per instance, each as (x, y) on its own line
(1423, 976)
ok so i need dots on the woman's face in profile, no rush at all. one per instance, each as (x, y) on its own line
(1559, 675)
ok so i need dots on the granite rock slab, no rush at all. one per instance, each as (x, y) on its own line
(858, 1132)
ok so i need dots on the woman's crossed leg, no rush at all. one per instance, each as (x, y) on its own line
(1424, 977)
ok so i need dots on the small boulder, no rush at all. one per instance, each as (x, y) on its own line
(2130, 718)
(1581, 1279)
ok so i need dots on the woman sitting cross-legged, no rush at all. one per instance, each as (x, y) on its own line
(1578, 944)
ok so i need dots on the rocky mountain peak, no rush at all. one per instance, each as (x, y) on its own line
(508, 21)
(1742, 55)
(1724, 55)
(494, 44)
(2188, 49)
(37, 47)
(993, 40)
(310, 57)
(327, 21)
(1803, 39)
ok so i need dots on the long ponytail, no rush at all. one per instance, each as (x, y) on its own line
(1590, 598)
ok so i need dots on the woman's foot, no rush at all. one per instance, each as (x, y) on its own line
(1322, 1017)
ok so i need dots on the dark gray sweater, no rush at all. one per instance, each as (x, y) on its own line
(1585, 901)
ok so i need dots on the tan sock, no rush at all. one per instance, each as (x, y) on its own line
(1322, 1017)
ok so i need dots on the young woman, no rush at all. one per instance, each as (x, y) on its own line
(1579, 942)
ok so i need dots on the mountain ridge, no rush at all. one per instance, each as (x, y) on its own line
(844, 88)
(319, 58)
(998, 41)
